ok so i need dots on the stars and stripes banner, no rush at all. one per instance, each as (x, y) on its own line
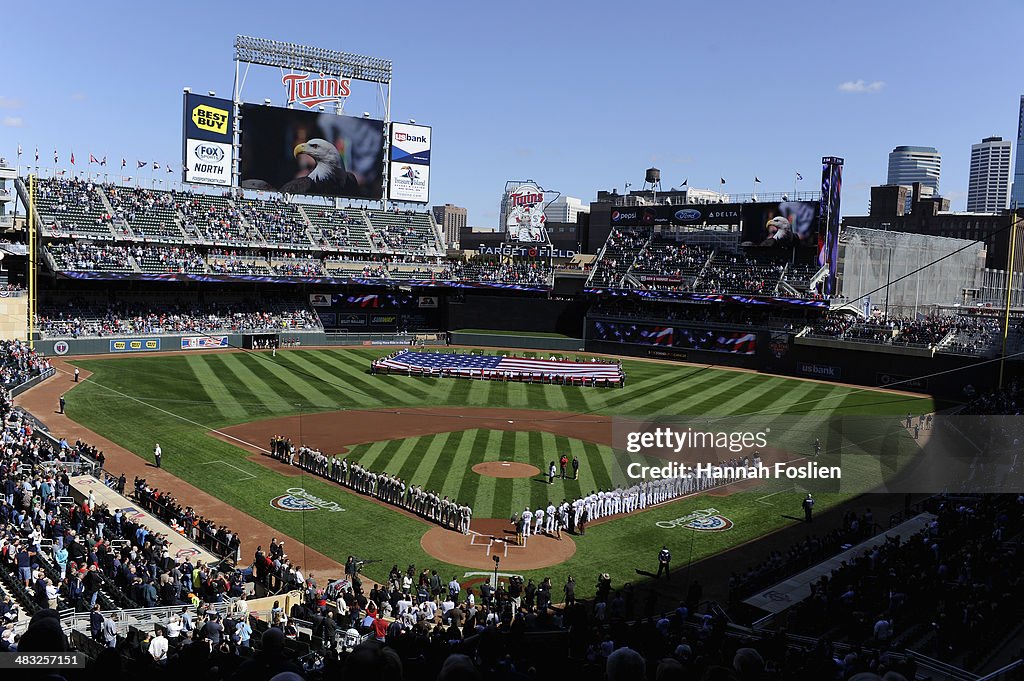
(497, 367)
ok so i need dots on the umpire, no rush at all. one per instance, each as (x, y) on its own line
(664, 558)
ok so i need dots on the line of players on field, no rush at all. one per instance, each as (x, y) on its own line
(573, 516)
(388, 488)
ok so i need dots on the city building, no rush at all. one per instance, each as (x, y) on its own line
(1017, 193)
(908, 165)
(565, 209)
(931, 216)
(451, 219)
(988, 190)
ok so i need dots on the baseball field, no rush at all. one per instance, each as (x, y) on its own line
(214, 413)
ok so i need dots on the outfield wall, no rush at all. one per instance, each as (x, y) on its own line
(143, 343)
(497, 340)
(520, 314)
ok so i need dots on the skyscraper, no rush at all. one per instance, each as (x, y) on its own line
(989, 188)
(1017, 195)
(451, 219)
(908, 165)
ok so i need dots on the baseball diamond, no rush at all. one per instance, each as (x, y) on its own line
(226, 406)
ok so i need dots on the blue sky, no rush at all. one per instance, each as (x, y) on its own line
(579, 96)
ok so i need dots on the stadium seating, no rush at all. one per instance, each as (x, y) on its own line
(149, 215)
(73, 208)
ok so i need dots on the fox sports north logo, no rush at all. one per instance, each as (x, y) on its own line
(289, 502)
(209, 153)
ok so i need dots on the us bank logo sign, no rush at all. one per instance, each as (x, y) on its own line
(703, 520)
(298, 499)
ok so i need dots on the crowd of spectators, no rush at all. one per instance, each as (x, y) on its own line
(19, 363)
(533, 272)
(278, 222)
(173, 259)
(620, 251)
(83, 256)
(127, 318)
(966, 333)
(218, 222)
(299, 267)
(671, 259)
(186, 521)
(739, 274)
(956, 578)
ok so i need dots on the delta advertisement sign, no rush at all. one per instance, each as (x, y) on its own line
(409, 169)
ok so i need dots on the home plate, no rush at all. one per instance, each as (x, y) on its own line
(505, 463)
(510, 421)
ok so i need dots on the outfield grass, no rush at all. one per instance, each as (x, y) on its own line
(177, 399)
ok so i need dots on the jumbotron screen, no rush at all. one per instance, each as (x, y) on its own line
(306, 152)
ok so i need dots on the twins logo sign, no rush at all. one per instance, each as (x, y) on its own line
(702, 520)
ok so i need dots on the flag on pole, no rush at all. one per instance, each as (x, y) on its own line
(123, 162)
(169, 169)
(104, 161)
(756, 178)
(684, 182)
(142, 164)
(37, 155)
(156, 166)
(93, 159)
(55, 157)
(72, 158)
(799, 177)
(721, 180)
(19, 151)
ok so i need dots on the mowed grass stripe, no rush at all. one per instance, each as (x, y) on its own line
(366, 382)
(522, 444)
(259, 388)
(479, 393)
(367, 455)
(307, 393)
(434, 456)
(598, 467)
(413, 457)
(706, 400)
(473, 445)
(331, 391)
(487, 484)
(460, 445)
(554, 396)
(541, 446)
(766, 393)
(282, 387)
(220, 396)
(501, 503)
(670, 392)
(442, 475)
(239, 389)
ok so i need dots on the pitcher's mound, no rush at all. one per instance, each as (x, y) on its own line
(494, 537)
(506, 469)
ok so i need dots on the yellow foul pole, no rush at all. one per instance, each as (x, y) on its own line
(1009, 288)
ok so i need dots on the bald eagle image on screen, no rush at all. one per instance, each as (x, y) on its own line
(304, 152)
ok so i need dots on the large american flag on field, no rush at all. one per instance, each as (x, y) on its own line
(478, 365)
